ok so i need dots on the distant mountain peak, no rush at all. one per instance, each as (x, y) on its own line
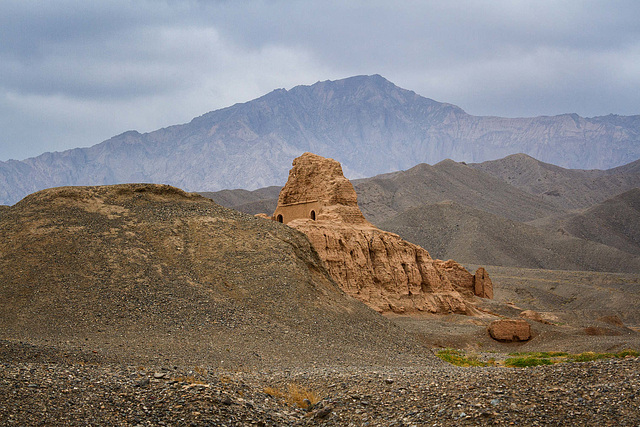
(367, 123)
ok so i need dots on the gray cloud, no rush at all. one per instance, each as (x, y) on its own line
(73, 73)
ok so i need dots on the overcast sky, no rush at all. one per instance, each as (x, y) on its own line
(74, 73)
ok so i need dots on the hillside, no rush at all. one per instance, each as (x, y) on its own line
(383, 196)
(148, 272)
(262, 200)
(614, 222)
(366, 122)
(451, 231)
(566, 188)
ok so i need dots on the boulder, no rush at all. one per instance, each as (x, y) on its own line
(510, 330)
(377, 267)
(535, 316)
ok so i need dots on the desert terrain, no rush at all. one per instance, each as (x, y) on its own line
(141, 304)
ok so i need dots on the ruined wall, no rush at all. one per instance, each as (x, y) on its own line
(300, 210)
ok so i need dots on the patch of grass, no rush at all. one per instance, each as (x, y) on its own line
(295, 395)
(274, 392)
(541, 354)
(527, 359)
(627, 353)
(589, 356)
(458, 358)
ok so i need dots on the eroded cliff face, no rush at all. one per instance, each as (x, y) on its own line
(387, 273)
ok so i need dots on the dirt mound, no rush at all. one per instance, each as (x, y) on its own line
(153, 273)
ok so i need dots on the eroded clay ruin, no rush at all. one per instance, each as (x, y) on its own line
(377, 267)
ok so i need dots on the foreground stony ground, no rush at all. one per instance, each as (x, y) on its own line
(38, 390)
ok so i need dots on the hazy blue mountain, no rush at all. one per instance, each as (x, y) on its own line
(366, 122)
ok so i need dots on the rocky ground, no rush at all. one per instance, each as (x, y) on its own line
(42, 387)
(143, 305)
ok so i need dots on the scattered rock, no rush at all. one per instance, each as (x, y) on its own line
(535, 316)
(593, 393)
(509, 330)
(143, 382)
(612, 320)
(599, 331)
(323, 412)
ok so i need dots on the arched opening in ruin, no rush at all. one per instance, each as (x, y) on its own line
(279, 218)
(313, 215)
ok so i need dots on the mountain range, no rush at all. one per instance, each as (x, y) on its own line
(515, 212)
(366, 122)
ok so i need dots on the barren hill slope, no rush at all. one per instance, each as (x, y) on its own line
(262, 200)
(562, 189)
(567, 188)
(240, 197)
(151, 272)
(449, 230)
(614, 222)
(384, 196)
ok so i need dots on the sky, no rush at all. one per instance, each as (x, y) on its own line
(74, 73)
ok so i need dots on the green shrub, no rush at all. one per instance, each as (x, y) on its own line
(625, 353)
(541, 354)
(458, 358)
(533, 358)
(589, 356)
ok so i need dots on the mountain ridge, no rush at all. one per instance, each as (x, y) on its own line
(507, 213)
(566, 188)
(366, 122)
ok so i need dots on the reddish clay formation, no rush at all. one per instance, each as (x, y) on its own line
(377, 267)
(509, 330)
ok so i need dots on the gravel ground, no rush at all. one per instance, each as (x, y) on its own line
(47, 389)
